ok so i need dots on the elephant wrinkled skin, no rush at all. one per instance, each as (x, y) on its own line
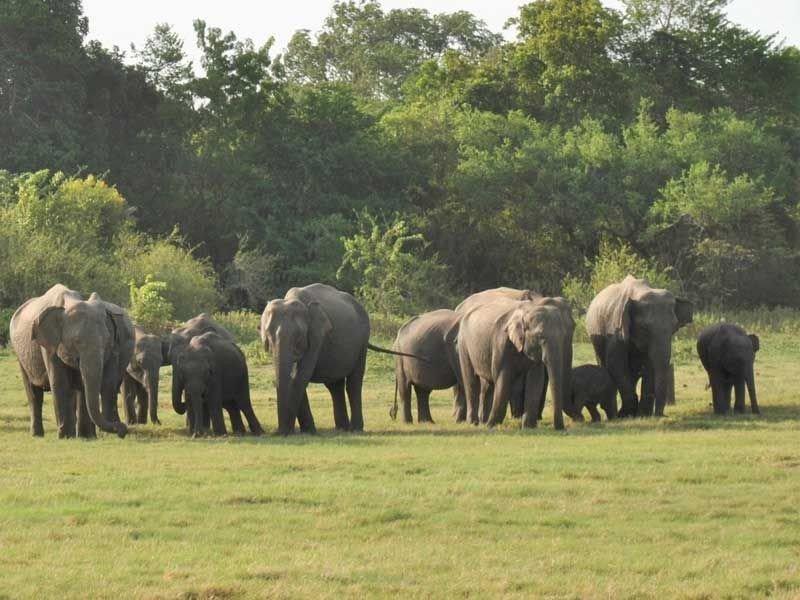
(592, 386)
(77, 349)
(631, 326)
(140, 384)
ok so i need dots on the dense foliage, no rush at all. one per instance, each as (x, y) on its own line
(663, 130)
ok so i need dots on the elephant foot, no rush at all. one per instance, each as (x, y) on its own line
(427, 420)
(155, 421)
(756, 411)
(140, 421)
(121, 429)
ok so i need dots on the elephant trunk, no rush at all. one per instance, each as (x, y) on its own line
(177, 392)
(194, 398)
(91, 373)
(151, 386)
(559, 375)
(285, 384)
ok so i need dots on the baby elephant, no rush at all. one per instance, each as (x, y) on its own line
(140, 384)
(728, 353)
(592, 385)
(213, 372)
(431, 335)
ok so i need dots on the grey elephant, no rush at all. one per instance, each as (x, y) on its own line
(317, 334)
(592, 386)
(212, 370)
(140, 384)
(728, 353)
(432, 335)
(78, 350)
(517, 397)
(202, 323)
(631, 325)
(503, 341)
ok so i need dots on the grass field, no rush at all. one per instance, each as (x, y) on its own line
(689, 506)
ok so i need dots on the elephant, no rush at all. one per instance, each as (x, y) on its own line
(727, 353)
(506, 340)
(631, 325)
(140, 384)
(593, 386)
(78, 350)
(433, 335)
(517, 397)
(212, 370)
(198, 325)
(317, 334)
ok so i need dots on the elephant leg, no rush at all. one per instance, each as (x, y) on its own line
(717, 393)
(404, 391)
(355, 382)
(727, 388)
(485, 401)
(86, 429)
(518, 398)
(471, 383)
(246, 407)
(592, 408)
(340, 419)
(459, 404)
(128, 396)
(626, 386)
(204, 416)
(141, 404)
(648, 396)
(738, 406)
(63, 399)
(304, 416)
(235, 415)
(108, 394)
(35, 396)
(423, 404)
(503, 386)
(217, 420)
(535, 389)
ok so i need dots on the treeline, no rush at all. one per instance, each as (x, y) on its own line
(414, 157)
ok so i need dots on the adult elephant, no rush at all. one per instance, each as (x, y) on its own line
(140, 384)
(433, 335)
(317, 334)
(77, 349)
(517, 396)
(727, 353)
(631, 325)
(504, 340)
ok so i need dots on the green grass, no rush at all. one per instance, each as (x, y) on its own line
(687, 506)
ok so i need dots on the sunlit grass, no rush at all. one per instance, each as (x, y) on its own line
(690, 506)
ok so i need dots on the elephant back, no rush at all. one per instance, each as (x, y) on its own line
(492, 295)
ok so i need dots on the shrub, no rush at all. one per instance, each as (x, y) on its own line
(389, 269)
(191, 284)
(148, 307)
(614, 261)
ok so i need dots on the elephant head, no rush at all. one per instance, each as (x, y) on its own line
(648, 321)
(193, 373)
(542, 330)
(755, 341)
(294, 333)
(86, 336)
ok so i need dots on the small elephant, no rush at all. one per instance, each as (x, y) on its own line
(593, 386)
(631, 325)
(140, 385)
(78, 350)
(432, 335)
(213, 372)
(727, 353)
(180, 336)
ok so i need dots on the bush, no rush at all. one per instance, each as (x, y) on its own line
(191, 284)
(389, 270)
(614, 261)
(148, 307)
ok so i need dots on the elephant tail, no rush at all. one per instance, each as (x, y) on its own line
(393, 410)
(395, 353)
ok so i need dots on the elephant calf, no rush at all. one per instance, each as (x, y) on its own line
(727, 354)
(593, 386)
(431, 335)
(213, 372)
(140, 385)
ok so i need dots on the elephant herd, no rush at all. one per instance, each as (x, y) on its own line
(499, 349)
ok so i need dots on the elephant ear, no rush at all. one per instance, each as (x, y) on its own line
(47, 327)
(515, 328)
(684, 311)
(755, 341)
